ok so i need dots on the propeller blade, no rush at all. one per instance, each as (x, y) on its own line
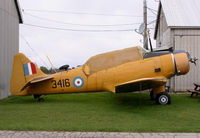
(193, 60)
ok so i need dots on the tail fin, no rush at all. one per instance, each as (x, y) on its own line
(23, 71)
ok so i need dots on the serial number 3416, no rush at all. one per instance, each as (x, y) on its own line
(60, 83)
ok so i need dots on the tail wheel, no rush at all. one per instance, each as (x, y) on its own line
(163, 98)
(40, 99)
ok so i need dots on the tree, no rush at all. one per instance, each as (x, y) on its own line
(44, 69)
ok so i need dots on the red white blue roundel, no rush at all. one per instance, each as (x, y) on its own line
(78, 82)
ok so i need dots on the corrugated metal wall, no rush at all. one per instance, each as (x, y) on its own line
(189, 40)
(9, 43)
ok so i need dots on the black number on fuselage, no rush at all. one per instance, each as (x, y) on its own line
(67, 83)
(54, 84)
(62, 83)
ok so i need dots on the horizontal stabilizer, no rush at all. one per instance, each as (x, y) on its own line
(37, 80)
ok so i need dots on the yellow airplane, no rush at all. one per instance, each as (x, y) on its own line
(126, 70)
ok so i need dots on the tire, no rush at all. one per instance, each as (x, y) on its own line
(36, 96)
(40, 100)
(163, 98)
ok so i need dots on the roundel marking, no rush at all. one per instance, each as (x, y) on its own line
(78, 82)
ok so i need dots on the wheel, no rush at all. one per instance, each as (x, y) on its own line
(163, 98)
(40, 100)
(151, 95)
(36, 96)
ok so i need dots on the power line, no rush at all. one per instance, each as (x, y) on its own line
(82, 13)
(27, 43)
(56, 21)
(157, 0)
(76, 30)
(152, 11)
(152, 22)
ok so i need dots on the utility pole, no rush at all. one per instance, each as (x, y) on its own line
(145, 39)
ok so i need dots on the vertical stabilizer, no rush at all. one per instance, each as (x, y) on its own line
(23, 71)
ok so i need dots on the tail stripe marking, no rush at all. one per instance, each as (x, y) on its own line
(25, 69)
(29, 69)
(33, 68)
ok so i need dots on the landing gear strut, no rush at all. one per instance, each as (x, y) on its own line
(160, 95)
(38, 97)
(152, 95)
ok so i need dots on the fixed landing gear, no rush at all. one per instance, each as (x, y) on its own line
(38, 97)
(160, 97)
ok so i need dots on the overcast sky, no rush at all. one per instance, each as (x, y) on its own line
(75, 47)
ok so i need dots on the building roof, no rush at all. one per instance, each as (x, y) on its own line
(18, 11)
(180, 13)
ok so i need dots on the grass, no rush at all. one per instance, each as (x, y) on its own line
(132, 112)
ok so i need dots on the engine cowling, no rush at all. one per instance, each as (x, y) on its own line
(182, 63)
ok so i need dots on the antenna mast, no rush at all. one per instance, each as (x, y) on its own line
(145, 38)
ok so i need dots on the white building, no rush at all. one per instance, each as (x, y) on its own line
(10, 17)
(178, 26)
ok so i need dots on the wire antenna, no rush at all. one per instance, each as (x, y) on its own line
(51, 64)
(27, 43)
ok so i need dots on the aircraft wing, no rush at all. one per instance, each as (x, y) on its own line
(140, 84)
(37, 80)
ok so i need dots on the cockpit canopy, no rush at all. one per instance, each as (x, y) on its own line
(112, 59)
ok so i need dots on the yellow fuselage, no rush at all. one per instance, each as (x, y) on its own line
(105, 80)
